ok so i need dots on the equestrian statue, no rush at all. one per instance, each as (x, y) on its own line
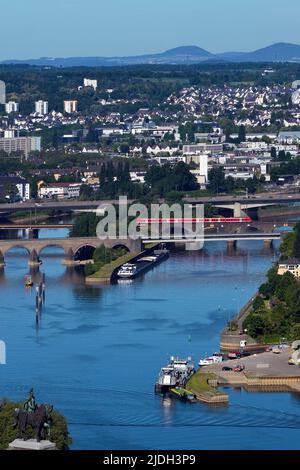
(31, 415)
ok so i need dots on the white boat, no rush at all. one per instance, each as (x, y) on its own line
(176, 373)
(127, 271)
(216, 358)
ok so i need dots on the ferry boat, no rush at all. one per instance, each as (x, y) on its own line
(216, 358)
(127, 271)
(175, 374)
(28, 281)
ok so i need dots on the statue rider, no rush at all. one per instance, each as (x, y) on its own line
(30, 404)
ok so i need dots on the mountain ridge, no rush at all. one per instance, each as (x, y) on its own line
(185, 55)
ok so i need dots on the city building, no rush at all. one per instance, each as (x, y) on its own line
(41, 107)
(138, 176)
(70, 106)
(2, 92)
(25, 145)
(291, 265)
(201, 160)
(202, 148)
(87, 82)
(59, 190)
(11, 133)
(11, 107)
(22, 186)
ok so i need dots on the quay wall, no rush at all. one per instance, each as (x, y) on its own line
(231, 340)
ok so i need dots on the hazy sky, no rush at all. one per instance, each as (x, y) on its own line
(35, 28)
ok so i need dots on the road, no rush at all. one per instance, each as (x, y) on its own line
(73, 205)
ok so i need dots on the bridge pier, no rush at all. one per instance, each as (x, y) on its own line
(231, 245)
(268, 244)
(237, 210)
(2, 262)
(34, 259)
(69, 260)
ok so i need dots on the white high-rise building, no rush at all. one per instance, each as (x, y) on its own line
(2, 92)
(201, 160)
(11, 107)
(70, 106)
(92, 83)
(41, 107)
(11, 133)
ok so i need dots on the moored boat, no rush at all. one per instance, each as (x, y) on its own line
(175, 374)
(216, 358)
(28, 281)
(127, 271)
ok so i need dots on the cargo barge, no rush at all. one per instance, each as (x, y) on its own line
(142, 265)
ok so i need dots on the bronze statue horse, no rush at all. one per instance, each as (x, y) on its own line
(39, 420)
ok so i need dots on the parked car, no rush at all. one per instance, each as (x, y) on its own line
(234, 355)
(291, 362)
(239, 368)
(276, 351)
(226, 368)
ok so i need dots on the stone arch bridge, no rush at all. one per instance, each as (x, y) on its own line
(71, 247)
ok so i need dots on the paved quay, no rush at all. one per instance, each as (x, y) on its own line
(261, 370)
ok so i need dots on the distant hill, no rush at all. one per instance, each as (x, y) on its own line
(179, 55)
(185, 55)
(280, 52)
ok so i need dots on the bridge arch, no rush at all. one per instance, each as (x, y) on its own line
(52, 245)
(18, 247)
(84, 252)
(118, 246)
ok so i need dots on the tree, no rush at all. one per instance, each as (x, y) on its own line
(86, 192)
(287, 245)
(258, 303)
(85, 225)
(242, 133)
(251, 185)
(92, 135)
(255, 325)
(296, 248)
(284, 283)
(216, 179)
(273, 153)
(124, 147)
(161, 180)
(11, 191)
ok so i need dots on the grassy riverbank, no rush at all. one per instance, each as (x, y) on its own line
(199, 385)
(106, 271)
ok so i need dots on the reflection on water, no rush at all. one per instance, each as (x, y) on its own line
(98, 350)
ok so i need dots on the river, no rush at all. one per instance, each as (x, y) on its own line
(97, 351)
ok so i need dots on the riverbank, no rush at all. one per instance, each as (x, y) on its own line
(203, 385)
(40, 217)
(233, 334)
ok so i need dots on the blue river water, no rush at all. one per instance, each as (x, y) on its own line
(97, 351)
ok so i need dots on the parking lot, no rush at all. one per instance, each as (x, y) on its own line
(266, 364)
